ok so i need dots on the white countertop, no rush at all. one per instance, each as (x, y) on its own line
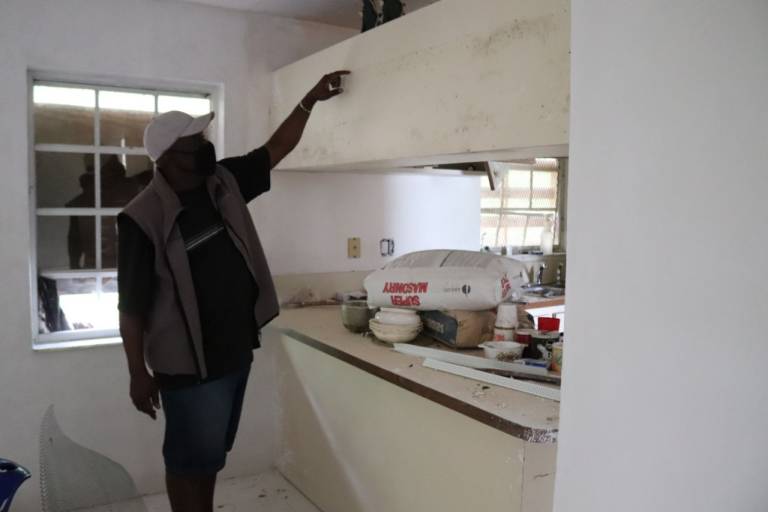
(526, 416)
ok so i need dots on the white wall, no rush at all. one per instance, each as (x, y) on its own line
(152, 40)
(138, 39)
(306, 219)
(665, 404)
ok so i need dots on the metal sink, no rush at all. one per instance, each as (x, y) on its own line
(544, 290)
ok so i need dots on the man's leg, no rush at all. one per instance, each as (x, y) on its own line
(190, 494)
(392, 9)
(370, 15)
(201, 422)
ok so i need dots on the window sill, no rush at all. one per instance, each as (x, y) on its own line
(76, 344)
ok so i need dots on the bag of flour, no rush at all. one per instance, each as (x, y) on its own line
(443, 280)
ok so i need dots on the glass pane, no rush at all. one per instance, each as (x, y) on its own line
(128, 101)
(117, 187)
(140, 169)
(533, 231)
(67, 304)
(123, 117)
(66, 243)
(109, 285)
(64, 179)
(63, 115)
(191, 105)
(517, 189)
(511, 230)
(544, 193)
(490, 200)
(109, 242)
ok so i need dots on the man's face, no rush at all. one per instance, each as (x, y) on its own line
(182, 154)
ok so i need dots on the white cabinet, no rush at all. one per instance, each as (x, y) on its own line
(458, 81)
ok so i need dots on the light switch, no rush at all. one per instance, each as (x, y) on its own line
(353, 248)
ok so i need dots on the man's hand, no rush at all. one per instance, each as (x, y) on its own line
(287, 136)
(328, 87)
(144, 393)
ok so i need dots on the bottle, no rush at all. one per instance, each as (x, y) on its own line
(547, 236)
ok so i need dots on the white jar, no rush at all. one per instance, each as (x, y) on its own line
(506, 316)
(502, 334)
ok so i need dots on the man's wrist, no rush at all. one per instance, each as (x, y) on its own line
(307, 103)
(138, 371)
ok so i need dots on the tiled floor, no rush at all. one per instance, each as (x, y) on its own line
(266, 492)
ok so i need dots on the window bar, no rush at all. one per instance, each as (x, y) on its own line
(530, 190)
(85, 148)
(501, 215)
(97, 182)
(123, 156)
(525, 229)
(157, 102)
(76, 212)
(530, 205)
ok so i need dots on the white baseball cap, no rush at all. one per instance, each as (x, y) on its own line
(164, 130)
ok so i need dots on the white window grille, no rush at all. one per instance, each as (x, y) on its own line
(88, 162)
(525, 196)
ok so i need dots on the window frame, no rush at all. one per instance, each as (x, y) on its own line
(90, 337)
(559, 210)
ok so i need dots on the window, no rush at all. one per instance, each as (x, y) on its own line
(88, 163)
(526, 197)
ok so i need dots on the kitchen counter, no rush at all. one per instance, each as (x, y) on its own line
(536, 302)
(527, 417)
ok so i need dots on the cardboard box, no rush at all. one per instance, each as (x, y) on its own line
(459, 329)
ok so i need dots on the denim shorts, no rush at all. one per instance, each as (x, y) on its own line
(201, 423)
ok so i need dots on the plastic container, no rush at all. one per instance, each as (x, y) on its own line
(524, 336)
(506, 317)
(556, 362)
(542, 339)
(355, 315)
(549, 324)
(500, 334)
(547, 237)
(502, 350)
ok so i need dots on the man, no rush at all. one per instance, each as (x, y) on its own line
(195, 289)
(372, 18)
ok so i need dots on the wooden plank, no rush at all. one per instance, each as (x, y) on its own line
(489, 378)
(480, 363)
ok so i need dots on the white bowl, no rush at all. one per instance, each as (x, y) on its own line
(390, 318)
(394, 328)
(394, 333)
(400, 311)
(503, 350)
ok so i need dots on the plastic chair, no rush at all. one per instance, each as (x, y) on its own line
(11, 477)
(73, 477)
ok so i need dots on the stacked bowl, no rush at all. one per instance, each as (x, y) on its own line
(394, 325)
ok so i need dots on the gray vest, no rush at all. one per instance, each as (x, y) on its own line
(173, 339)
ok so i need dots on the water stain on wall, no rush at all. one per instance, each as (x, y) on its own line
(539, 27)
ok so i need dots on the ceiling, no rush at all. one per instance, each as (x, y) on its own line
(345, 13)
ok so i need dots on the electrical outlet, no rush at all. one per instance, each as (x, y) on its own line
(353, 248)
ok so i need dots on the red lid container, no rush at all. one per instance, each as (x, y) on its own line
(549, 324)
